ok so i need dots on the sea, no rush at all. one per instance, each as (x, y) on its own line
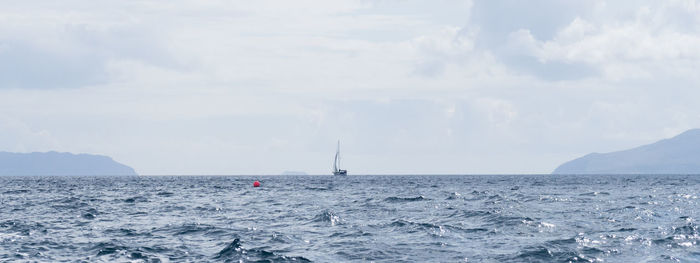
(401, 218)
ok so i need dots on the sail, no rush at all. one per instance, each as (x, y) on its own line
(336, 160)
(335, 163)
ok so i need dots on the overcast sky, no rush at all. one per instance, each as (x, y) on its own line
(262, 87)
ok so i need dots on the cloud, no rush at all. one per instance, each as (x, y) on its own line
(408, 86)
(497, 19)
(19, 137)
(651, 42)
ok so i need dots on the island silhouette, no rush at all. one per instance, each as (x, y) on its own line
(677, 155)
(60, 163)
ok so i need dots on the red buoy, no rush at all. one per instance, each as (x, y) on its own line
(256, 184)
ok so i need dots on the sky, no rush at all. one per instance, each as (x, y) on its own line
(262, 87)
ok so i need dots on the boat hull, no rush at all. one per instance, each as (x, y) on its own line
(340, 172)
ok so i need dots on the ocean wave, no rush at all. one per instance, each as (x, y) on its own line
(327, 216)
(281, 239)
(433, 229)
(188, 229)
(21, 227)
(88, 216)
(136, 199)
(689, 229)
(499, 220)
(394, 199)
(453, 196)
(358, 233)
(402, 223)
(680, 237)
(470, 213)
(559, 250)
(234, 252)
(311, 188)
(127, 232)
(106, 248)
(18, 191)
(164, 193)
(68, 203)
(110, 251)
(594, 193)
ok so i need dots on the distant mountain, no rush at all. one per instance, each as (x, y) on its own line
(55, 163)
(677, 155)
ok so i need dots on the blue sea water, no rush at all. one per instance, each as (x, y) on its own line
(471, 218)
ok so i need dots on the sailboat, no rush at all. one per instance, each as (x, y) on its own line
(336, 163)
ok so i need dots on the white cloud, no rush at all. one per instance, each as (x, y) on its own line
(642, 47)
(18, 136)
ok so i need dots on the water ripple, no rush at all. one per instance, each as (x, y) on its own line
(495, 218)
